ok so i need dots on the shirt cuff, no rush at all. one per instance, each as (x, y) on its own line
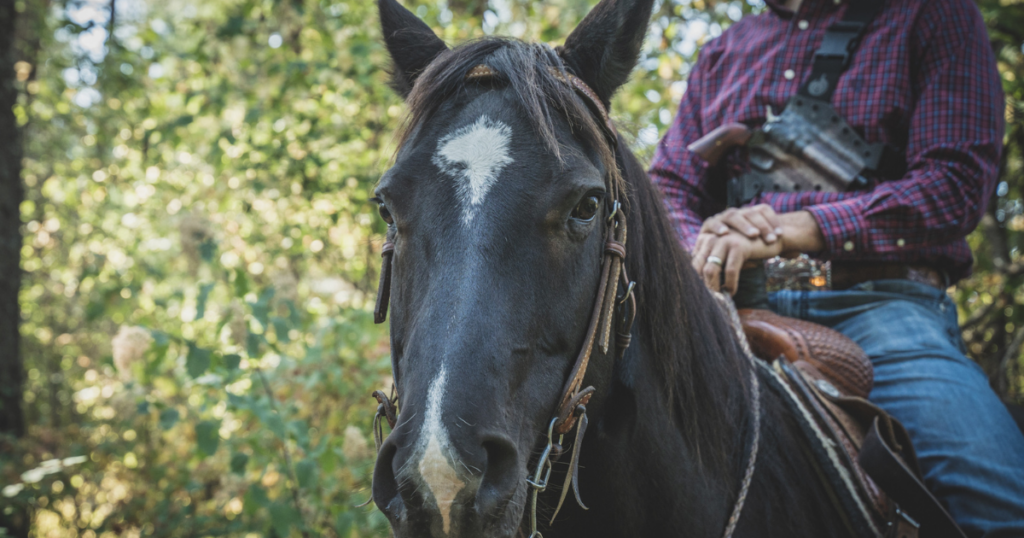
(843, 228)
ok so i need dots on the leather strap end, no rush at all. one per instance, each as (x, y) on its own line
(572, 477)
(380, 309)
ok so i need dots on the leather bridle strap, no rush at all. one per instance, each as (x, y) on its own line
(380, 309)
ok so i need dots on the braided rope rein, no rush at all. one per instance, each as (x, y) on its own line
(755, 393)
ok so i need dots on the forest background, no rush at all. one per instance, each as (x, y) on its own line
(198, 255)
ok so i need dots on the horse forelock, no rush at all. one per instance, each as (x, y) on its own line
(524, 69)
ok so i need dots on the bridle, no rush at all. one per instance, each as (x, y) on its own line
(611, 310)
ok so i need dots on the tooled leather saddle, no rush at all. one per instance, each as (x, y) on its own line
(870, 466)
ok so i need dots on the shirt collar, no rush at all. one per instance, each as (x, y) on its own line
(777, 6)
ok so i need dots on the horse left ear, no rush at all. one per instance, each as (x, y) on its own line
(411, 43)
(604, 48)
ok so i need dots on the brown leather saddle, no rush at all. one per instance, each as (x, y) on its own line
(874, 475)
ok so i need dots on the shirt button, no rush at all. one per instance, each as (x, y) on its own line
(848, 246)
(900, 242)
(802, 25)
(789, 74)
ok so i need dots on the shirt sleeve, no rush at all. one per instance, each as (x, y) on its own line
(678, 172)
(953, 150)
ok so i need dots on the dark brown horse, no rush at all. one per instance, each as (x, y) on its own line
(496, 207)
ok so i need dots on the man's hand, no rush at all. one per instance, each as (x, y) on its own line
(715, 253)
(717, 250)
(759, 221)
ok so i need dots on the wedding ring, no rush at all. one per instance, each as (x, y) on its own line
(715, 260)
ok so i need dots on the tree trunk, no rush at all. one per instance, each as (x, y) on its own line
(15, 521)
(11, 195)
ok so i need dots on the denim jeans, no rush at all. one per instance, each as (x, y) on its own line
(970, 449)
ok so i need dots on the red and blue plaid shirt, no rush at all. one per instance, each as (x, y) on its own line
(923, 79)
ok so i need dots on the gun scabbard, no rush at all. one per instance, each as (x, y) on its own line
(713, 146)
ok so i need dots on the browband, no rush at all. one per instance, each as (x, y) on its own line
(589, 96)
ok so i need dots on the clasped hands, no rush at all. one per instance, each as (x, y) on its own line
(737, 236)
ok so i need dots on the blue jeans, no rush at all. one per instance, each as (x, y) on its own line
(970, 450)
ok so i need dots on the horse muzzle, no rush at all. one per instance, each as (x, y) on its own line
(440, 484)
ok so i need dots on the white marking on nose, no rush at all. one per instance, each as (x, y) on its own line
(438, 474)
(474, 156)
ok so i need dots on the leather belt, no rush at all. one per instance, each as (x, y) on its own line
(848, 274)
(809, 274)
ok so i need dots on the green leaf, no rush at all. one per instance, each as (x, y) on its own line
(281, 329)
(238, 462)
(207, 436)
(241, 283)
(204, 294)
(305, 473)
(95, 309)
(283, 516)
(197, 361)
(169, 417)
(261, 308)
(300, 431)
(231, 28)
(255, 498)
(344, 524)
(239, 402)
(252, 345)
(232, 361)
(328, 461)
(275, 424)
(207, 250)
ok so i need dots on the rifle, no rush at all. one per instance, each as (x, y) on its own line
(809, 147)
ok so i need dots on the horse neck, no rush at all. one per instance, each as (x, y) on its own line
(669, 451)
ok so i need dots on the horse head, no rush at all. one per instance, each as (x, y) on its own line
(498, 208)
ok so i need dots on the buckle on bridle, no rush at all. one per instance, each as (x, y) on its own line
(616, 205)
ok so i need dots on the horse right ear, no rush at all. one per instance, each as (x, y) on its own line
(604, 48)
(411, 43)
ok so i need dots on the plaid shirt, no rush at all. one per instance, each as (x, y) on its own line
(924, 78)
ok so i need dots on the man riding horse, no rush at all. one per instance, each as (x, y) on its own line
(523, 315)
(917, 80)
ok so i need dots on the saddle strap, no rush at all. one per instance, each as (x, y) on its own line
(886, 468)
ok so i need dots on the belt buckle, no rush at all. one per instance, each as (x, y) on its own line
(802, 273)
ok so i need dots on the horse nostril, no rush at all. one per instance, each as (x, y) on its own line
(500, 477)
(385, 487)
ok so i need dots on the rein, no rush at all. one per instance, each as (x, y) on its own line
(610, 309)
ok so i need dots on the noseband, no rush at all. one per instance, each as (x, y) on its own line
(611, 310)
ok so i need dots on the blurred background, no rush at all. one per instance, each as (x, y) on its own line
(199, 259)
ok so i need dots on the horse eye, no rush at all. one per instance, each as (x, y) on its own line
(586, 209)
(384, 213)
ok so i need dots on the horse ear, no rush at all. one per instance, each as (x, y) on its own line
(604, 48)
(411, 43)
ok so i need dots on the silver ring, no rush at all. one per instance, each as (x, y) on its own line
(715, 260)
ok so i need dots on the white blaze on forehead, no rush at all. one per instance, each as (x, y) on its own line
(438, 474)
(474, 156)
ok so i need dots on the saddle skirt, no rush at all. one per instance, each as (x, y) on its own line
(870, 464)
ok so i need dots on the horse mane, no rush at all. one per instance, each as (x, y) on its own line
(681, 326)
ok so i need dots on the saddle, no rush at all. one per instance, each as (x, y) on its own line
(865, 455)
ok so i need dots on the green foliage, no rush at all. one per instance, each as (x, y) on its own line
(200, 256)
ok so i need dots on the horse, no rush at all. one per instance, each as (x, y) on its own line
(498, 207)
